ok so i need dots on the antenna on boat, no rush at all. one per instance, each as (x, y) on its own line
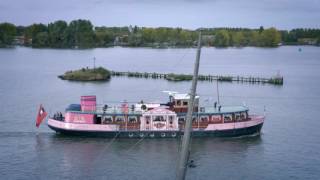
(171, 93)
(218, 91)
(185, 148)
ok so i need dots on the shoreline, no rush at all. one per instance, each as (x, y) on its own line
(148, 47)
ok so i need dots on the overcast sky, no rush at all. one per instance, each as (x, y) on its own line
(283, 14)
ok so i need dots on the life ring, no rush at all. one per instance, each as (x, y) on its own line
(141, 135)
(131, 135)
(173, 134)
(143, 107)
(151, 135)
(163, 135)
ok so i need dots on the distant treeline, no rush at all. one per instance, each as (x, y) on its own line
(82, 34)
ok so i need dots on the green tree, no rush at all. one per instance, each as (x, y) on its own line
(253, 40)
(135, 40)
(103, 38)
(148, 35)
(80, 33)
(222, 38)
(7, 34)
(34, 29)
(270, 37)
(41, 40)
(57, 34)
(32, 33)
(238, 39)
(162, 35)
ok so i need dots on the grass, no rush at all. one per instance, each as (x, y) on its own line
(85, 74)
(178, 77)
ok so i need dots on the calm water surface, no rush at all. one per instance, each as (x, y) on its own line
(289, 146)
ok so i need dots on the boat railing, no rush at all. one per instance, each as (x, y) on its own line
(256, 116)
(57, 116)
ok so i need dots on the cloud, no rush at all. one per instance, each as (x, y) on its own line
(184, 13)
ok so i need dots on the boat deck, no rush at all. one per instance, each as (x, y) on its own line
(129, 111)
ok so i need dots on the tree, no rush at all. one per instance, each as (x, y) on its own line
(222, 38)
(80, 33)
(103, 38)
(57, 34)
(270, 37)
(253, 40)
(32, 32)
(147, 35)
(41, 40)
(34, 29)
(238, 39)
(7, 33)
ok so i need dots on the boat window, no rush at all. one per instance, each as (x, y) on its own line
(132, 119)
(204, 118)
(106, 119)
(237, 116)
(119, 118)
(194, 118)
(178, 102)
(171, 119)
(185, 103)
(243, 115)
(215, 118)
(181, 119)
(158, 118)
(227, 118)
(147, 118)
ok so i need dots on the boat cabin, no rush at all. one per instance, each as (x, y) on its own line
(159, 119)
(179, 102)
(153, 116)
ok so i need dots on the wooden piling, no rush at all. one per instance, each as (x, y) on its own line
(276, 80)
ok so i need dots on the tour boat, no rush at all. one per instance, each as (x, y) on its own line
(154, 120)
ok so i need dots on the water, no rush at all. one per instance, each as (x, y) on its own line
(287, 148)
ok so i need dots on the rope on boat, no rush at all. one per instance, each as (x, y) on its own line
(104, 149)
(140, 140)
(113, 139)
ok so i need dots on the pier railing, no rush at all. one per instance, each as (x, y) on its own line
(276, 80)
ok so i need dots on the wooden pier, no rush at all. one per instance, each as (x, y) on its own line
(276, 80)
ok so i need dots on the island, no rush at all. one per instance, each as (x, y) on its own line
(87, 74)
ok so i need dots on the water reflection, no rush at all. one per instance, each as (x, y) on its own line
(95, 157)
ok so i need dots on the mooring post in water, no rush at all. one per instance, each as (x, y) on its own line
(184, 152)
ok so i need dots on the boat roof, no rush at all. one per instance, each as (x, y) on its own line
(226, 109)
(182, 96)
